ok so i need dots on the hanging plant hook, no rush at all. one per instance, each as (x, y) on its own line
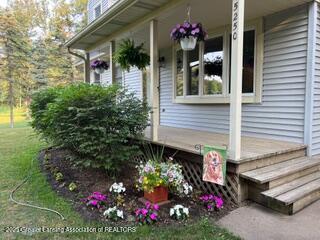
(189, 13)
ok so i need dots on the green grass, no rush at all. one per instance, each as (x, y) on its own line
(19, 148)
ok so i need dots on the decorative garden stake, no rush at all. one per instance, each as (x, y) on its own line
(99, 66)
(188, 34)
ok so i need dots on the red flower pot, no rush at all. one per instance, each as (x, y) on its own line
(159, 194)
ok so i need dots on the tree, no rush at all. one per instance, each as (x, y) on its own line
(32, 52)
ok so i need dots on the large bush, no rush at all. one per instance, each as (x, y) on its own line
(97, 124)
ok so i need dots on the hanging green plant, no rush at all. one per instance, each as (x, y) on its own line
(128, 55)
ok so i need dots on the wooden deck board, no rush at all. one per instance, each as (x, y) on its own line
(251, 148)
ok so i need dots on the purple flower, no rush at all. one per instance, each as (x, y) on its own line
(194, 25)
(156, 207)
(148, 205)
(153, 216)
(93, 202)
(144, 211)
(186, 24)
(209, 207)
(219, 202)
(182, 30)
(137, 212)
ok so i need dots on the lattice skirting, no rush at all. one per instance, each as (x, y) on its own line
(192, 170)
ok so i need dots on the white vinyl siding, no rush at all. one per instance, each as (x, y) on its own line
(133, 81)
(281, 113)
(92, 4)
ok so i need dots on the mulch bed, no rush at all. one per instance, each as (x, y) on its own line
(95, 180)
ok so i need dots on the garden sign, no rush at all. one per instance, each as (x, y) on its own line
(214, 164)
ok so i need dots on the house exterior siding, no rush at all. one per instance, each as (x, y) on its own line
(281, 113)
(105, 5)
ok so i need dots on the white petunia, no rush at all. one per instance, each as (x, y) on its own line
(186, 211)
(120, 213)
(171, 212)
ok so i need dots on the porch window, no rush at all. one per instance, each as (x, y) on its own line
(207, 75)
(192, 58)
(213, 65)
(179, 73)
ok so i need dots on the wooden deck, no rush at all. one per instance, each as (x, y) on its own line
(252, 148)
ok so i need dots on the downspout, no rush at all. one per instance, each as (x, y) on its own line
(86, 64)
(310, 76)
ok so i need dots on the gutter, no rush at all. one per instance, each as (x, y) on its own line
(96, 24)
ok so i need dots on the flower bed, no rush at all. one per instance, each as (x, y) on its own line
(98, 197)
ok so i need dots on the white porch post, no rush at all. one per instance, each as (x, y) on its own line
(87, 68)
(236, 79)
(154, 76)
(112, 63)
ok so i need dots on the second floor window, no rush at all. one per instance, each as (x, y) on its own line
(97, 11)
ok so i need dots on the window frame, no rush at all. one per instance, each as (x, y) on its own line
(98, 3)
(224, 98)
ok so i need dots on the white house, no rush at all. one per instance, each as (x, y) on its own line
(263, 103)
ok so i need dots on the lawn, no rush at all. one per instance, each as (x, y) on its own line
(19, 148)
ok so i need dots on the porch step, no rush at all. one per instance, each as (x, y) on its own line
(277, 157)
(294, 196)
(287, 186)
(283, 172)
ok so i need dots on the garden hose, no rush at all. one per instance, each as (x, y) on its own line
(30, 205)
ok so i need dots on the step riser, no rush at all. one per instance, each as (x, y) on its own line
(282, 180)
(293, 176)
(247, 166)
(305, 201)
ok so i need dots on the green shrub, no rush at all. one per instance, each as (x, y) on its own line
(97, 124)
(39, 107)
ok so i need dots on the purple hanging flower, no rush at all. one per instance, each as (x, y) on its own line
(99, 64)
(187, 30)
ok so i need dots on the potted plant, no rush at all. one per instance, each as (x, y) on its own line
(188, 34)
(157, 178)
(99, 66)
(128, 55)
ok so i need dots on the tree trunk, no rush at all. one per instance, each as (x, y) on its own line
(11, 102)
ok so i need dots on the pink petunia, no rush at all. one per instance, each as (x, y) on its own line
(156, 207)
(144, 211)
(153, 216)
(93, 202)
(148, 205)
(137, 212)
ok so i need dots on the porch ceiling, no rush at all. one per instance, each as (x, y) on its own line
(128, 13)
(119, 16)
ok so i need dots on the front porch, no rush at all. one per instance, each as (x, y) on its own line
(252, 148)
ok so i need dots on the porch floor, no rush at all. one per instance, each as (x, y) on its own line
(252, 148)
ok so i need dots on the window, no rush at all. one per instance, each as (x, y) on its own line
(97, 11)
(179, 73)
(192, 58)
(206, 78)
(213, 66)
(248, 62)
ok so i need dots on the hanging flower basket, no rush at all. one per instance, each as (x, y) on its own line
(131, 55)
(99, 66)
(188, 34)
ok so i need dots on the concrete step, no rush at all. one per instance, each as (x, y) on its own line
(281, 173)
(292, 197)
